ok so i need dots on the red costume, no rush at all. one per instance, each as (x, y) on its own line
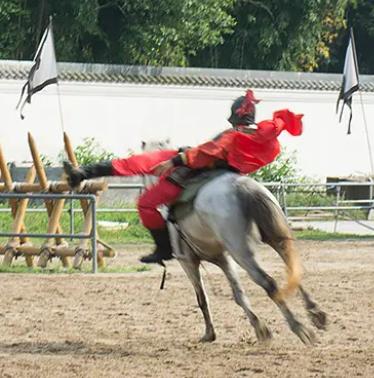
(244, 153)
(164, 192)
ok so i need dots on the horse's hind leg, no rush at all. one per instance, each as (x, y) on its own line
(226, 264)
(316, 315)
(245, 258)
(191, 268)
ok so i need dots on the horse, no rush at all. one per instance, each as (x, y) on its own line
(230, 213)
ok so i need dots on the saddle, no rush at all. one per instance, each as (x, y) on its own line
(193, 181)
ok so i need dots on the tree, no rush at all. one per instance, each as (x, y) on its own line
(139, 32)
(359, 16)
(278, 35)
(166, 32)
(15, 19)
(302, 35)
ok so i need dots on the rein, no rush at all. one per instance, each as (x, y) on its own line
(163, 278)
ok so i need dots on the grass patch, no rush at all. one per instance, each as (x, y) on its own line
(38, 223)
(325, 236)
(62, 270)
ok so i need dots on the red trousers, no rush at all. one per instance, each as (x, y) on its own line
(163, 192)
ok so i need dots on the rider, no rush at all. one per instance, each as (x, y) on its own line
(244, 148)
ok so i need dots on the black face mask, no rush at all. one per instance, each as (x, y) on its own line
(235, 120)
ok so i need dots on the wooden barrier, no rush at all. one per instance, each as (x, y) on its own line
(56, 246)
(18, 209)
(82, 248)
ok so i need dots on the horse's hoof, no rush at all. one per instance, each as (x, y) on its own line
(208, 337)
(305, 335)
(263, 333)
(318, 318)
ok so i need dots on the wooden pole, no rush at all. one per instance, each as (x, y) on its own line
(52, 221)
(5, 172)
(18, 209)
(18, 226)
(85, 207)
(8, 182)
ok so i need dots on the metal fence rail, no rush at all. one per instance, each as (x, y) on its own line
(280, 189)
(47, 196)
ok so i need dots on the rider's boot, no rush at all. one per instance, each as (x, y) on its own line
(75, 175)
(163, 249)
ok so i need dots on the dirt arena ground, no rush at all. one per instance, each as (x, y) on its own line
(122, 325)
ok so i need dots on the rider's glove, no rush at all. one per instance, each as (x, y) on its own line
(179, 160)
(183, 148)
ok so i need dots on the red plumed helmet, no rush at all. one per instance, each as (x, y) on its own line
(248, 104)
(243, 109)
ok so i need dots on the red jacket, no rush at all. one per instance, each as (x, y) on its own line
(246, 152)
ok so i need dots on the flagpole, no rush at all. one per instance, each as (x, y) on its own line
(349, 86)
(60, 108)
(367, 135)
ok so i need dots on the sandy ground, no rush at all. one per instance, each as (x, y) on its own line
(122, 325)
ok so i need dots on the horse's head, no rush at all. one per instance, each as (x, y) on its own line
(153, 145)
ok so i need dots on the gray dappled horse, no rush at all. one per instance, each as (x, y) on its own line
(229, 212)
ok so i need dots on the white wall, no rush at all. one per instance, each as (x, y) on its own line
(120, 116)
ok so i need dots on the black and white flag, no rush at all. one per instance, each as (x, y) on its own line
(44, 70)
(350, 80)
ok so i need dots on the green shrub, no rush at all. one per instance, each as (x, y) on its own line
(283, 168)
(89, 152)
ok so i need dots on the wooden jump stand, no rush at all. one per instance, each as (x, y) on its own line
(56, 246)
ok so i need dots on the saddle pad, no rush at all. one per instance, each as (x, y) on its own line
(184, 204)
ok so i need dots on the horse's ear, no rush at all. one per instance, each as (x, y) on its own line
(143, 145)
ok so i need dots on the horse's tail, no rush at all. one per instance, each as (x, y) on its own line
(261, 207)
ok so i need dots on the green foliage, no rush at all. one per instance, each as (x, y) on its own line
(89, 152)
(15, 19)
(282, 169)
(46, 161)
(55, 267)
(135, 233)
(176, 31)
(360, 16)
(309, 196)
(279, 35)
(163, 32)
(302, 35)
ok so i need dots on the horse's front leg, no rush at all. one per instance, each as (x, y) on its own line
(193, 273)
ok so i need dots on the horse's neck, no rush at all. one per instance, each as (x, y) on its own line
(149, 146)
